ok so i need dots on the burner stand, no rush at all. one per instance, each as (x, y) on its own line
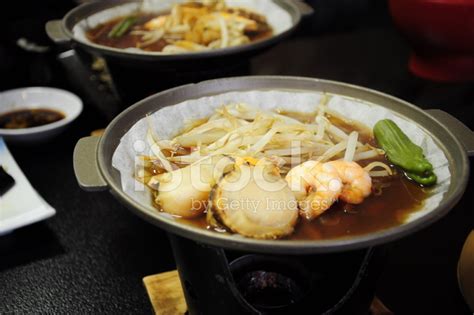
(341, 283)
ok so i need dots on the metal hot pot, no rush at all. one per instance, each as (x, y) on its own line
(94, 172)
(137, 74)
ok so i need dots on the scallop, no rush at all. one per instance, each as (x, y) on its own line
(255, 202)
(185, 192)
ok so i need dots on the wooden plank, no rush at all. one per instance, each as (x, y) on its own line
(167, 296)
(165, 293)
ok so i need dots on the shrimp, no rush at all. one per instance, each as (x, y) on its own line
(296, 179)
(316, 187)
(357, 182)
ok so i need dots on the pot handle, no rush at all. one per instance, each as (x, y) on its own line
(86, 168)
(461, 131)
(55, 31)
(304, 8)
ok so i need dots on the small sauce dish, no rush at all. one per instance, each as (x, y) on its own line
(36, 114)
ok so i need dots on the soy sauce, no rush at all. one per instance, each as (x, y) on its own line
(27, 118)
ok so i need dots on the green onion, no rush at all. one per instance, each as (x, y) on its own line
(122, 27)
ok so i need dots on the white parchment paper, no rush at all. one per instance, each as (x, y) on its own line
(278, 18)
(169, 121)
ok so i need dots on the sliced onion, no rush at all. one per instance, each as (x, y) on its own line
(335, 150)
(370, 154)
(351, 146)
(257, 147)
(375, 164)
(321, 122)
(155, 148)
(379, 173)
(224, 32)
(337, 133)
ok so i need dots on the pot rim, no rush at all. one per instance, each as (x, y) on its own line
(451, 197)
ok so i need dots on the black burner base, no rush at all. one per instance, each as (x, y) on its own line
(342, 283)
(136, 80)
(272, 284)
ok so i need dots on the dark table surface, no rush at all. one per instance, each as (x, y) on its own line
(91, 257)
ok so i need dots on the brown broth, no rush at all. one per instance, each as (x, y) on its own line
(389, 209)
(100, 34)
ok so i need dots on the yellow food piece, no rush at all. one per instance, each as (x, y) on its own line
(156, 23)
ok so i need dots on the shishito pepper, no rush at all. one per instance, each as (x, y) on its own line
(425, 180)
(401, 151)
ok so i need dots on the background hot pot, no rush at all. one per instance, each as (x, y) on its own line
(137, 74)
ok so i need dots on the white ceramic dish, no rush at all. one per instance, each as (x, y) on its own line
(21, 205)
(39, 97)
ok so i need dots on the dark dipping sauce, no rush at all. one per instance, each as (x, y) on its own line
(27, 118)
(392, 200)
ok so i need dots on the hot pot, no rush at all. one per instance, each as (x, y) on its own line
(94, 171)
(137, 74)
(193, 246)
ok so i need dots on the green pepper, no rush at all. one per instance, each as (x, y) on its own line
(399, 148)
(425, 180)
(401, 151)
(122, 27)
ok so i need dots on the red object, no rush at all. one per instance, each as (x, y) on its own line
(441, 33)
